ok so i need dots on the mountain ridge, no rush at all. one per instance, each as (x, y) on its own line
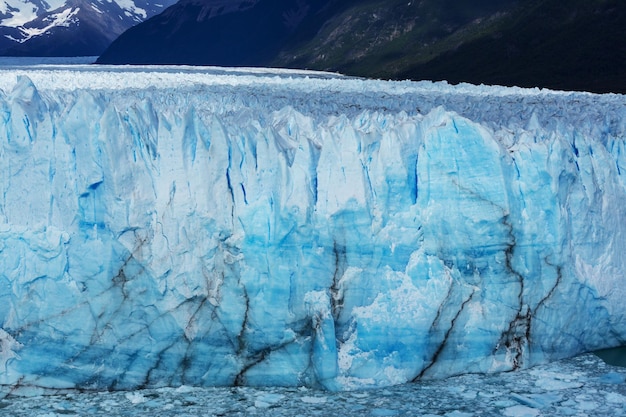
(252, 35)
(530, 43)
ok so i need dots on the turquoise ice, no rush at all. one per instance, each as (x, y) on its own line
(177, 226)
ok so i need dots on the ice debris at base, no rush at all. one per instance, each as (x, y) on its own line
(179, 226)
(583, 386)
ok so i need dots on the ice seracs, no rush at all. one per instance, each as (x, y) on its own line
(216, 227)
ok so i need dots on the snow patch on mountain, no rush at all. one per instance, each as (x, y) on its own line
(64, 18)
(132, 10)
(23, 11)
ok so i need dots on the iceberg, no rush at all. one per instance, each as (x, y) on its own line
(173, 226)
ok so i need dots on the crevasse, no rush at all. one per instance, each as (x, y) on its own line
(332, 233)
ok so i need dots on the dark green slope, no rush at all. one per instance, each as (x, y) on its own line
(578, 47)
(570, 45)
(384, 38)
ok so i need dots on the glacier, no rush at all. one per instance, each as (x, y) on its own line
(169, 226)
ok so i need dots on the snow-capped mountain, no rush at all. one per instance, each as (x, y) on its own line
(69, 27)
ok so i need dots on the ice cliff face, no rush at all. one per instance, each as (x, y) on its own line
(213, 228)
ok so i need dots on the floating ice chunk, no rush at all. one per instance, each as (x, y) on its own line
(615, 398)
(521, 411)
(184, 389)
(612, 378)
(555, 384)
(313, 400)
(135, 397)
(268, 399)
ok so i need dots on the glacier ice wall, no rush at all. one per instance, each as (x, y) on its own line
(272, 229)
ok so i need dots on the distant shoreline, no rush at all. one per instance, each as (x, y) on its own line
(46, 60)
